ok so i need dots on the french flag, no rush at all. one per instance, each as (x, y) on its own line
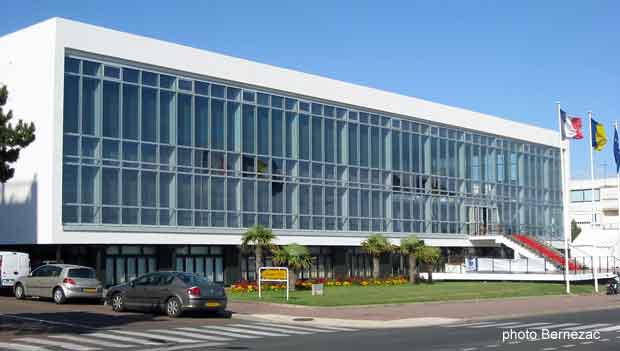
(571, 127)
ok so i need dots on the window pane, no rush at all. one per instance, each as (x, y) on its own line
(166, 186)
(149, 188)
(317, 134)
(167, 117)
(304, 137)
(70, 114)
(202, 121)
(329, 140)
(89, 175)
(109, 186)
(130, 187)
(89, 105)
(217, 193)
(263, 196)
(111, 108)
(290, 133)
(248, 128)
(149, 114)
(233, 126)
(248, 195)
(217, 124)
(363, 145)
(69, 184)
(231, 194)
(276, 132)
(130, 112)
(263, 130)
(352, 144)
(184, 191)
(184, 121)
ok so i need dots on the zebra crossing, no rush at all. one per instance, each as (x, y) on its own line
(169, 339)
(600, 327)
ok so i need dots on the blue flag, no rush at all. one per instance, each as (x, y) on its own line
(616, 149)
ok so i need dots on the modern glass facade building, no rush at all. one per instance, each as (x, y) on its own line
(181, 159)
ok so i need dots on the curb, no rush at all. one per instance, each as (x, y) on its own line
(350, 323)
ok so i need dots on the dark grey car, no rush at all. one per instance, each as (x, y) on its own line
(171, 292)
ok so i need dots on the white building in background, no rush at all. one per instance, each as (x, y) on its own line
(605, 192)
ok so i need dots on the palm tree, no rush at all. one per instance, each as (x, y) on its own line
(376, 245)
(261, 239)
(429, 256)
(296, 257)
(409, 246)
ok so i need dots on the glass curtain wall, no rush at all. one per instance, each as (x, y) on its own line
(145, 148)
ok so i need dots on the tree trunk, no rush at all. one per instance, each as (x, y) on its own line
(430, 273)
(258, 258)
(292, 279)
(376, 268)
(413, 270)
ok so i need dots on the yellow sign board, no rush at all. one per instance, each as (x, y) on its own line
(273, 274)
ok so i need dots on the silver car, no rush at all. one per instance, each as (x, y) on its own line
(60, 282)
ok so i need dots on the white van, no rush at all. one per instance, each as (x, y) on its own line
(13, 265)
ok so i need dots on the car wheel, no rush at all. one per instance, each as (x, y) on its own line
(19, 292)
(59, 296)
(118, 303)
(173, 307)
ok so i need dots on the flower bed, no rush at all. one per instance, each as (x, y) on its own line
(306, 284)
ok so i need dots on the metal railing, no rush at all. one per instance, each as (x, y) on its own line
(581, 265)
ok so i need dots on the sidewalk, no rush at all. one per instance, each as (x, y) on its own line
(416, 314)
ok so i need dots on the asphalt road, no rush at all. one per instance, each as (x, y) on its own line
(43, 326)
(472, 336)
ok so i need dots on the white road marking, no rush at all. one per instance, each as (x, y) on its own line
(20, 347)
(554, 326)
(549, 348)
(218, 332)
(604, 340)
(47, 322)
(492, 346)
(124, 338)
(295, 327)
(155, 336)
(337, 328)
(264, 327)
(587, 342)
(82, 339)
(185, 347)
(587, 326)
(64, 345)
(470, 349)
(525, 325)
(188, 334)
(245, 331)
(568, 346)
(494, 325)
(467, 324)
(613, 328)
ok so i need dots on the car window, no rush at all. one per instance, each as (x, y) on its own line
(40, 272)
(155, 279)
(192, 279)
(86, 273)
(143, 280)
(166, 279)
(54, 272)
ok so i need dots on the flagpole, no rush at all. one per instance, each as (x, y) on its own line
(592, 223)
(617, 173)
(565, 193)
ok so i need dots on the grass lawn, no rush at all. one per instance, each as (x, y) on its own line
(439, 291)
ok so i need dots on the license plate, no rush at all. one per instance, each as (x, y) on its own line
(8, 281)
(90, 290)
(213, 304)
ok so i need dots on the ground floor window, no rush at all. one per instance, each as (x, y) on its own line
(359, 264)
(322, 264)
(207, 261)
(124, 263)
(248, 267)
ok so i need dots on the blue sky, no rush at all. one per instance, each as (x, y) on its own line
(513, 59)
